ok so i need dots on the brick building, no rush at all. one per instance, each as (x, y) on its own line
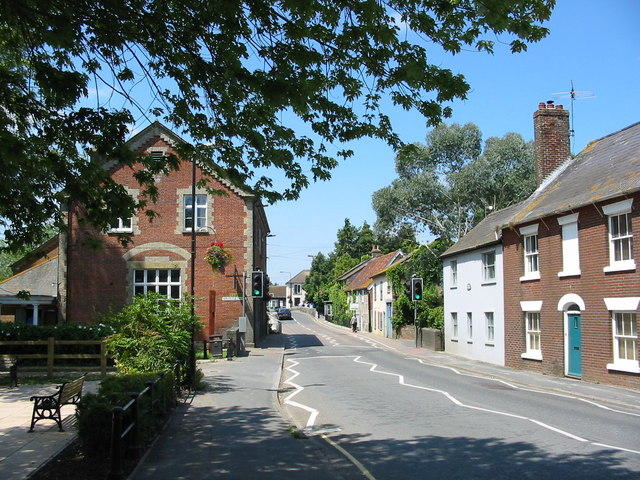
(572, 289)
(159, 255)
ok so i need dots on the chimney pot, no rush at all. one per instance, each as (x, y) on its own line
(558, 107)
(541, 105)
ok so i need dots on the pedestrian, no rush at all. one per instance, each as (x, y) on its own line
(354, 323)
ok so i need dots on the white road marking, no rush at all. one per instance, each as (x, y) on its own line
(374, 369)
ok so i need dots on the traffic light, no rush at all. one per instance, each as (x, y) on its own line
(257, 284)
(416, 289)
(265, 289)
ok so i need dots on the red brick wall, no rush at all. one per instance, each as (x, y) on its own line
(552, 141)
(592, 286)
(98, 280)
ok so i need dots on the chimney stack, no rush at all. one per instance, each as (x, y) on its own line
(375, 251)
(551, 138)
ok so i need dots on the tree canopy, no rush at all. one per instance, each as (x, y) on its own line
(234, 76)
(449, 184)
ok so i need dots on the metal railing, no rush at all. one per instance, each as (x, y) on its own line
(126, 438)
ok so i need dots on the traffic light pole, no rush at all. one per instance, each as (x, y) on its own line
(415, 319)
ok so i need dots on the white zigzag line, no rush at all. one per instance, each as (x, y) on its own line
(313, 413)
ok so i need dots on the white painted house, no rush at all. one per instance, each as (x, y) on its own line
(473, 293)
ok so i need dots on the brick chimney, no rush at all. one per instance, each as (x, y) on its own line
(375, 251)
(552, 138)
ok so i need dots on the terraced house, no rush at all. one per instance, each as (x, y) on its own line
(571, 285)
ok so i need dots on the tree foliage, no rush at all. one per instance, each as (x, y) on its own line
(448, 184)
(235, 76)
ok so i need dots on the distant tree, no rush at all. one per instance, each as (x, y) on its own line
(447, 185)
(353, 241)
(403, 237)
(233, 75)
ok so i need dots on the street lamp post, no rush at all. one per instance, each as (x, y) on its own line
(290, 289)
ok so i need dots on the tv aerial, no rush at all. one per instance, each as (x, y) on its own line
(574, 94)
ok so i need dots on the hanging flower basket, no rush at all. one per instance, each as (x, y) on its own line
(217, 256)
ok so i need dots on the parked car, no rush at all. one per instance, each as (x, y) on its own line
(284, 314)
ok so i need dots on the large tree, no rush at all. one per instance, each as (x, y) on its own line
(447, 185)
(234, 76)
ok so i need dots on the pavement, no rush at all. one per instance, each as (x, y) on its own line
(236, 429)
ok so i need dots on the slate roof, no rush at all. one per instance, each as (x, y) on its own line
(486, 233)
(606, 169)
(41, 279)
(362, 279)
(299, 278)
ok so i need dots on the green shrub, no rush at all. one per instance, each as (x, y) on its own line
(152, 333)
(95, 411)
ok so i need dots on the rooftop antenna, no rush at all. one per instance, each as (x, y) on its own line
(574, 94)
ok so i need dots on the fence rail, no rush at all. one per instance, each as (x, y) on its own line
(126, 429)
(52, 345)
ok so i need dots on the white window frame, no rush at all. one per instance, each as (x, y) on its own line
(469, 327)
(616, 212)
(620, 309)
(490, 326)
(201, 212)
(531, 255)
(119, 226)
(570, 246)
(488, 269)
(152, 282)
(453, 265)
(532, 335)
(529, 309)
(454, 326)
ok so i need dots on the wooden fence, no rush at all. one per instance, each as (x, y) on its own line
(47, 350)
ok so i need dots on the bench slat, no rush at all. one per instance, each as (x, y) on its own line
(47, 407)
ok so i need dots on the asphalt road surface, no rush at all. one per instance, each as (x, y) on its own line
(399, 417)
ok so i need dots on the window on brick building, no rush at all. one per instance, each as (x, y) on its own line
(620, 236)
(570, 245)
(121, 225)
(532, 333)
(624, 320)
(489, 266)
(199, 210)
(163, 281)
(531, 254)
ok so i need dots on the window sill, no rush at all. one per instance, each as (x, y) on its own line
(453, 287)
(489, 344)
(116, 231)
(530, 276)
(454, 340)
(622, 367)
(488, 283)
(470, 342)
(531, 356)
(629, 266)
(575, 273)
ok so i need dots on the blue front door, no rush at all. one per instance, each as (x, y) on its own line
(574, 321)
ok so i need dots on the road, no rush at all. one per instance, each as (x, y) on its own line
(400, 417)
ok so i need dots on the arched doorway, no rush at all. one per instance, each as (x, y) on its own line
(572, 307)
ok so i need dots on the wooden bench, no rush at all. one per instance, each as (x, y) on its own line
(9, 364)
(47, 407)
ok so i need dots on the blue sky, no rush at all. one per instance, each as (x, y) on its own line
(595, 44)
